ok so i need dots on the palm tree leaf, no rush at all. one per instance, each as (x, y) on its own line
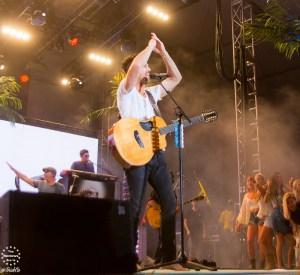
(276, 26)
(10, 102)
(96, 114)
(11, 115)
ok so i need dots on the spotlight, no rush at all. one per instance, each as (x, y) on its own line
(2, 67)
(76, 82)
(15, 33)
(65, 82)
(24, 78)
(100, 58)
(73, 41)
(156, 13)
(38, 18)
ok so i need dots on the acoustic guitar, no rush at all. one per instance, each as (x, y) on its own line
(135, 142)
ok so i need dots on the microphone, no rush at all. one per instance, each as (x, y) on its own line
(196, 198)
(158, 76)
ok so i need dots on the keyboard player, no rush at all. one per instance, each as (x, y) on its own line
(84, 164)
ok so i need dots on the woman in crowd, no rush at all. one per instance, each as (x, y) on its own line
(281, 227)
(291, 211)
(247, 216)
(265, 231)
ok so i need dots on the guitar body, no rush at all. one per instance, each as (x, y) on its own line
(136, 141)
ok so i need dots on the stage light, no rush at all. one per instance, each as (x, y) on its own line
(74, 41)
(2, 67)
(76, 82)
(18, 34)
(38, 18)
(24, 78)
(100, 59)
(65, 82)
(157, 13)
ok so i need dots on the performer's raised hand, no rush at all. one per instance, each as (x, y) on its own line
(152, 43)
(160, 47)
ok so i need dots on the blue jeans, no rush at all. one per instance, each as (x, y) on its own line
(156, 173)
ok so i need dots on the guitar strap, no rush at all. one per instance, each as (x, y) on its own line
(153, 103)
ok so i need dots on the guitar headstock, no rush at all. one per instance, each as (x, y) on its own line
(209, 116)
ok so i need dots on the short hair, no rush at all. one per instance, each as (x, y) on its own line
(83, 151)
(127, 62)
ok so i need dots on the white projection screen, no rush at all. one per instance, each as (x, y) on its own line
(30, 148)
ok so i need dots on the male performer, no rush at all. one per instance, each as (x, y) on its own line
(48, 185)
(134, 101)
(84, 164)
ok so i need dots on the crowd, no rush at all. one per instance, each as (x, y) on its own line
(270, 210)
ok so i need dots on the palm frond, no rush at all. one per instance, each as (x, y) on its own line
(276, 26)
(10, 102)
(115, 81)
(97, 114)
(11, 115)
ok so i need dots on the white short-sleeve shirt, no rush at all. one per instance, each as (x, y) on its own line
(132, 104)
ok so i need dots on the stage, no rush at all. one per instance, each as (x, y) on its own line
(223, 271)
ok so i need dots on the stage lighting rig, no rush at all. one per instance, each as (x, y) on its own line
(38, 18)
(65, 82)
(74, 40)
(24, 78)
(157, 13)
(15, 33)
(76, 82)
(100, 58)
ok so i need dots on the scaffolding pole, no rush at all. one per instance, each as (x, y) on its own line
(246, 112)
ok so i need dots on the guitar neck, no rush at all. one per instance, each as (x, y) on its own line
(171, 128)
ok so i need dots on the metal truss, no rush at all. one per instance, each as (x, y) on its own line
(247, 130)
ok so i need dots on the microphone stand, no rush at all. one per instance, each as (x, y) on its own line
(182, 258)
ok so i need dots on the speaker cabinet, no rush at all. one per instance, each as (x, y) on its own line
(62, 234)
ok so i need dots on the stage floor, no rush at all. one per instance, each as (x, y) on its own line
(222, 271)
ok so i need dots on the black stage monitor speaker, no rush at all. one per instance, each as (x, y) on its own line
(52, 234)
